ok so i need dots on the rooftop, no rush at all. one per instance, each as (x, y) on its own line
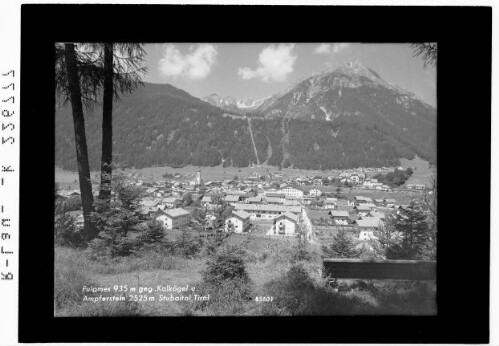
(267, 207)
(241, 214)
(148, 203)
(339, 213)
(289, 215)
(235, 192)
(370, 222)
(255, 199)
(170, 199)
(232, 198)
(274, 194)
(273, 199)
(176, 212)
(365, 206)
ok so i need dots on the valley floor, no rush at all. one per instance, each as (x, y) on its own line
(65, 179)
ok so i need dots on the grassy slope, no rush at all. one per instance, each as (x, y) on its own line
(268, 259)
(422, 175)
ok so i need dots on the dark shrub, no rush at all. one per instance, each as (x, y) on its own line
(66, 233)
(226, 265)
(226, 282)
(229, 298)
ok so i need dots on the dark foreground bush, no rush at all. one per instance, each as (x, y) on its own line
(66, 233)
(226, 282)
(296, 293)
(228, 264)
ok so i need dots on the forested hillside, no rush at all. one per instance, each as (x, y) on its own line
(161, 125)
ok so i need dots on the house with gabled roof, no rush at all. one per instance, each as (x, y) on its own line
(273, 195)
(274, 200)
(256, 199)
(174, 218)
(367, 226)
(340, 217)
(291, 191)
(237, 222)
(362, 200)
(285, 224)
(364, 209)
(315, 192)
(232, 199)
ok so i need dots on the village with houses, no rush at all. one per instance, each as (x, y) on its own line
(274, 204)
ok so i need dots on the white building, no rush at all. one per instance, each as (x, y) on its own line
(330, 203)
(291, 191)
(232, 199)
(340, 217)
(174, 218)
(198, 178)
(362, 200)
(237, 222)
(315, 192)
(355, 179)
(365, 208)
(285, 224)
(367, 226)
(266, 211)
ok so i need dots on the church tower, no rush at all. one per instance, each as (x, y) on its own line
(198, 178)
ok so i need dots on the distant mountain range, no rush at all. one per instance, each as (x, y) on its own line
(230, 103)
(343, 116)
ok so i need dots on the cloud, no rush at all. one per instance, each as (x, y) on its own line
(323, 49)
(274, 64)
(196, 64)
(326, 48)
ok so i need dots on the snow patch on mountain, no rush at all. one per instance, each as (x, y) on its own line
(328, 114)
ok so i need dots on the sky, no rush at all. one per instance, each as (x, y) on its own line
(260, 70)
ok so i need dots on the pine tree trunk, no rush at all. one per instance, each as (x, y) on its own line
(107, 125)
(80, 139)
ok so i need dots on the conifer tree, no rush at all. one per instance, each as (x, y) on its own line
(407, 234)
(342, 246)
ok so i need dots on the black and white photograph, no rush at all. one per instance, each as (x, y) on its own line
(245, 179)
(241, 173)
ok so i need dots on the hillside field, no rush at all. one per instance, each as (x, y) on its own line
(267, 262)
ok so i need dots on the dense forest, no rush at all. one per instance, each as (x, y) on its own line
(161, 125)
